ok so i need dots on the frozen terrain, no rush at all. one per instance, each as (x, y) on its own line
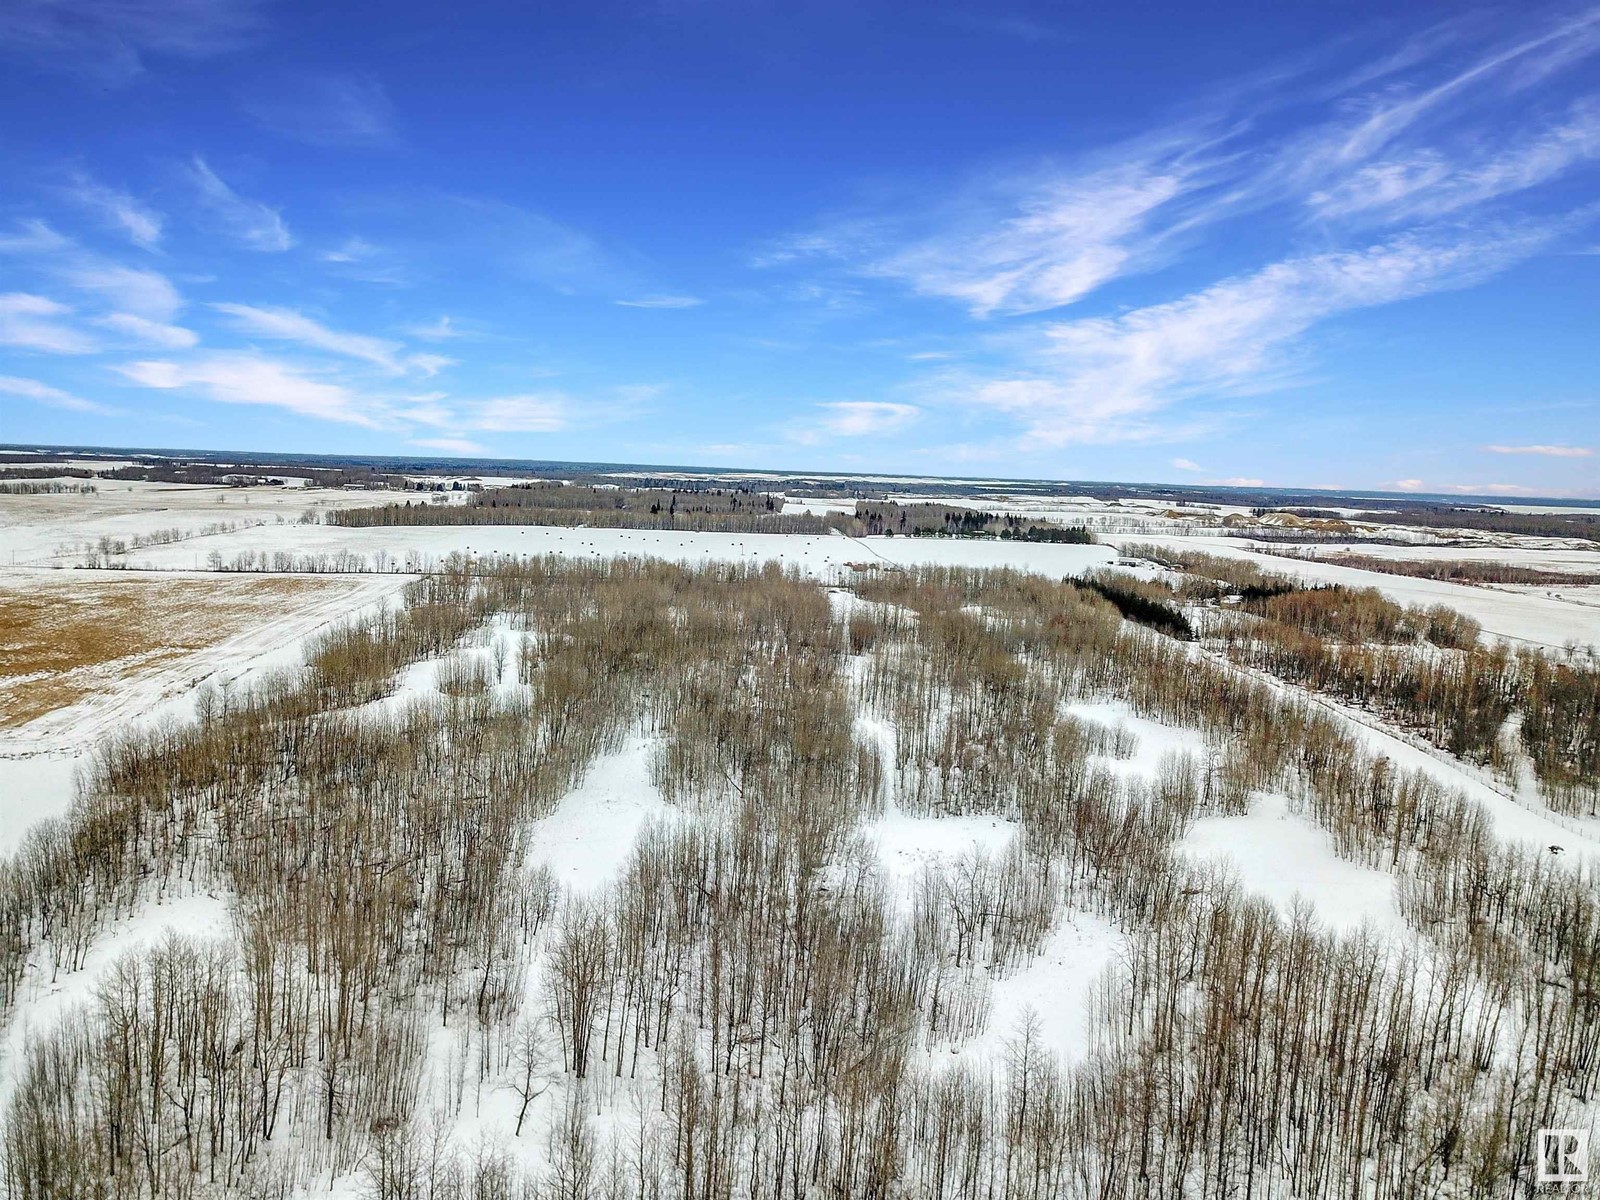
(1270, 850)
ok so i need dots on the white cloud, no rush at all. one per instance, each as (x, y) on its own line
(351, 250)
(286, 324)
(1070, 236)
(428, 365)
(32, 389)
(663, 302)
(519, 414)
(1105, 379)
(1408, 485)
(457, 446)
(121, 211)
(862, 418)
(251, 223)
(1431, 183)
(33, 236)
(150, 294)
(330, 110)
(36, 323)
(247, 378)
(853, 419)
(435, 331)
(845, 238)
(1545, 451)
(1187, 464)
(152, 333)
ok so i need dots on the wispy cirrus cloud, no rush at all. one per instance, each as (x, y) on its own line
(530, 413)
(325, 392)
(1431, 182)
(252, 224)
(160, 334)
(862, 418)
(327, 109)
(30, 322)
(1107, 378)
(291, 325)
(1544, 451)
(33, 236)
(287, 324)
(147, 293)
(111, 41)
(141, 224)
(244, 377)
(351, 250)
(442, 330)
(54, 397)
(1069, 236)
(662, 302)
(853, 419)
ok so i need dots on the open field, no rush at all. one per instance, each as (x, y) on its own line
(64, 640)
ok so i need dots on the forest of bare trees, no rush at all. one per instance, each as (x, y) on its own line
(747, 1010)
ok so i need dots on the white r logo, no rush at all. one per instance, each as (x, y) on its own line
(1563, 1155)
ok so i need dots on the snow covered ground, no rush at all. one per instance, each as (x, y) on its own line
(589, 838)
(1284, 858)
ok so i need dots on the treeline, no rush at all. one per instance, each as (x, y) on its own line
(8, 474)
(603, 508)
(46, 488)
(936, 520)
(253, 475)
(1457, 570)
(1141, 603)
(108, 551)
(1582, 525)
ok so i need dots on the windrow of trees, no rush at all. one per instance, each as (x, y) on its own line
(753, 1006)
(1454, 570)
(724, 510)
(51, 487)
(938, 520)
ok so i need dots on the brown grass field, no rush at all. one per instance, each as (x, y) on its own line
(61, 641)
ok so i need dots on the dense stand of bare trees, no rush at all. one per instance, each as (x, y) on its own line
(752, 1008)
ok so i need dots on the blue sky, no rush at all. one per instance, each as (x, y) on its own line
(1307, 244)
